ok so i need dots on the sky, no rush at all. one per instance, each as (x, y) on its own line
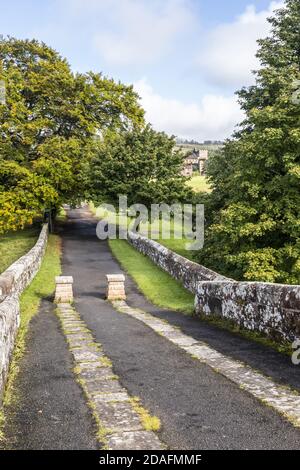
(185, 58)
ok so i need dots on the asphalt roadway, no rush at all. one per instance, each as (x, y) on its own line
(199, 409)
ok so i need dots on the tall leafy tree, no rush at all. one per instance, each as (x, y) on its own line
(141, 164)
(254, 210)
(49, 126)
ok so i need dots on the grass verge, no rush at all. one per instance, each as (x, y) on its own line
(199, 184)
(13, 245)
(178, 246)
(157, 285)
(42, 286)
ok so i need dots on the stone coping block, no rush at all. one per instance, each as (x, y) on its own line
(115, 277)
(64, 280)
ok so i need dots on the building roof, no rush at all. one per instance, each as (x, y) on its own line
(197, 155)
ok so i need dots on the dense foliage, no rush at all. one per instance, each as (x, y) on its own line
(49, 126)
(142, 164)
(254, 209)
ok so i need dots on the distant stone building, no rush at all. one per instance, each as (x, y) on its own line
(195, 161)
(187, 169)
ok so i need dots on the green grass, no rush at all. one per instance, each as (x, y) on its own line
(149, 422)
(178, 246)
(13, 245)
(189, 147)
(157, 285)
(199, 184)
(62, 215)
(42, 286)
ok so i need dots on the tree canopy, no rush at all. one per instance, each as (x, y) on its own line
(254, 210)
(139, 163)
(49, 126)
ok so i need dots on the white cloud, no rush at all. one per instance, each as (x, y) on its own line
(228, 55)
(120, 32)
(213, 118)
(140, 32)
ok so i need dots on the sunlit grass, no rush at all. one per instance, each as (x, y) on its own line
(157, 285)
(146, 229)
(13, 245)
(199, 184)
(179, 247)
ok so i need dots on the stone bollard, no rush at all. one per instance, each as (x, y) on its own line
(64, 289)
(115, 287)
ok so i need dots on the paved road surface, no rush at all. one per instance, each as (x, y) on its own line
(51, 412)
(199, 408)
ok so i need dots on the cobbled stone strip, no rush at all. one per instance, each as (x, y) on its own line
(120, 426)
(283, 399)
